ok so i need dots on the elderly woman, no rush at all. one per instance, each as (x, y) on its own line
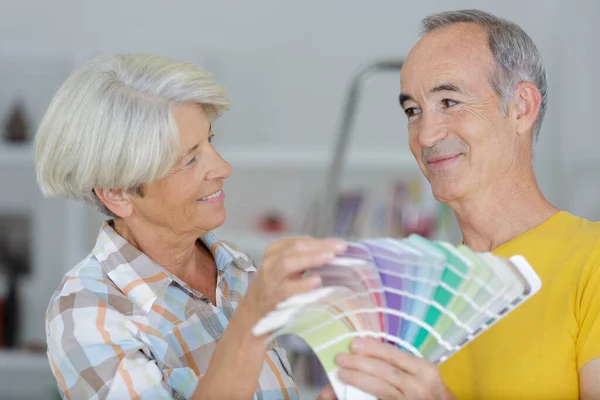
(160, 308)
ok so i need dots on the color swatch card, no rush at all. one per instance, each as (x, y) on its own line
(425, 297)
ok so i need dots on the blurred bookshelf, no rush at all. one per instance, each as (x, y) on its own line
(16, 155)
(382, 192)
(26, 376)
(54, 228)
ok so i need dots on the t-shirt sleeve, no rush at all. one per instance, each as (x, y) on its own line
(588, 341)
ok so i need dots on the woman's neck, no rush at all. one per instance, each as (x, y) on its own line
(181, 254)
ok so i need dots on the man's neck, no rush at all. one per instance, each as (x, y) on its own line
(512, 207)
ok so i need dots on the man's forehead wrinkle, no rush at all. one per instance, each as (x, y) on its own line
(427, 79)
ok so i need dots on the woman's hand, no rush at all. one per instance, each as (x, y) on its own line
(280, 275)
(238, 352)
(390, 373)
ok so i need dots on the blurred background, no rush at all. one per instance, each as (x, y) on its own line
(288, 67)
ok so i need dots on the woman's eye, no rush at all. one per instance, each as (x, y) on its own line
(211, 138)
(193, 160)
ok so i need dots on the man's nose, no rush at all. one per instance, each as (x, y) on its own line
(432, 129)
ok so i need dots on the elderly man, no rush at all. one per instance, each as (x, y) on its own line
(474, 92)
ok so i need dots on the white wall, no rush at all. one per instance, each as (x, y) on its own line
(287, 65)
(577, 86)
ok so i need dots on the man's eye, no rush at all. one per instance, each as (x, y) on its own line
(411, 111)
(449, 103)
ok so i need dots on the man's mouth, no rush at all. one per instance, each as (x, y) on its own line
(443, 159)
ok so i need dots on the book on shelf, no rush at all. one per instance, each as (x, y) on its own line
(394, 209)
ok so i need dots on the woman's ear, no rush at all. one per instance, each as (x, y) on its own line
(526, 102)
(118, 201)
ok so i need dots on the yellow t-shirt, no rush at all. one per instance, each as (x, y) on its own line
(536, 351)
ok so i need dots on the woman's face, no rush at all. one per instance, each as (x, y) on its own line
(190, 199)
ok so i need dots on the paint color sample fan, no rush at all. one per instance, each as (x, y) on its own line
(428, 298)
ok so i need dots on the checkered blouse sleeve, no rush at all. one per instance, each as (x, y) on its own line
(98, 352)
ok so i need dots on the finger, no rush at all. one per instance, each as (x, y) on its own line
(278, 244)
(307, 244)
(391, 354)
(375, 368)
(327, 394)
(370, 384)
(331, 244)
(302, 285)
(299, 255)
(405, 384)
(295, 264)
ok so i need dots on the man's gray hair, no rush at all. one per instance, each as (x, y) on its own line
(111, 124)
(517, 57)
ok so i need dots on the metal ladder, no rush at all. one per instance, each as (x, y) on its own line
(327, 208)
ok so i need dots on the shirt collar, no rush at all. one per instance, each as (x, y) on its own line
(226, 254)
(140, 278)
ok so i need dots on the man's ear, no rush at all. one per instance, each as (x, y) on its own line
(526, 102)
(118, 201)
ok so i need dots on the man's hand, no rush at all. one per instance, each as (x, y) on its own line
(390, 373)
(327, 394)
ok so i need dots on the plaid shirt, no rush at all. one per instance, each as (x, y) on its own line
(120, 326)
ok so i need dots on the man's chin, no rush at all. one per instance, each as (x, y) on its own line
(446, 193)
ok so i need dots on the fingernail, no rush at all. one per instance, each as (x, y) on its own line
(358, 344)
(341, 246)
(342, 359)
(315, 281)
(325, 257)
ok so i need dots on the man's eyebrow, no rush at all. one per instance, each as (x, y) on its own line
(445, 87)
(404, 98)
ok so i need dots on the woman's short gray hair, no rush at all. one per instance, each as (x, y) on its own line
(517, 57)
(111, 124)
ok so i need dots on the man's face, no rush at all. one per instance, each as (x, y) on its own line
(457, 131)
